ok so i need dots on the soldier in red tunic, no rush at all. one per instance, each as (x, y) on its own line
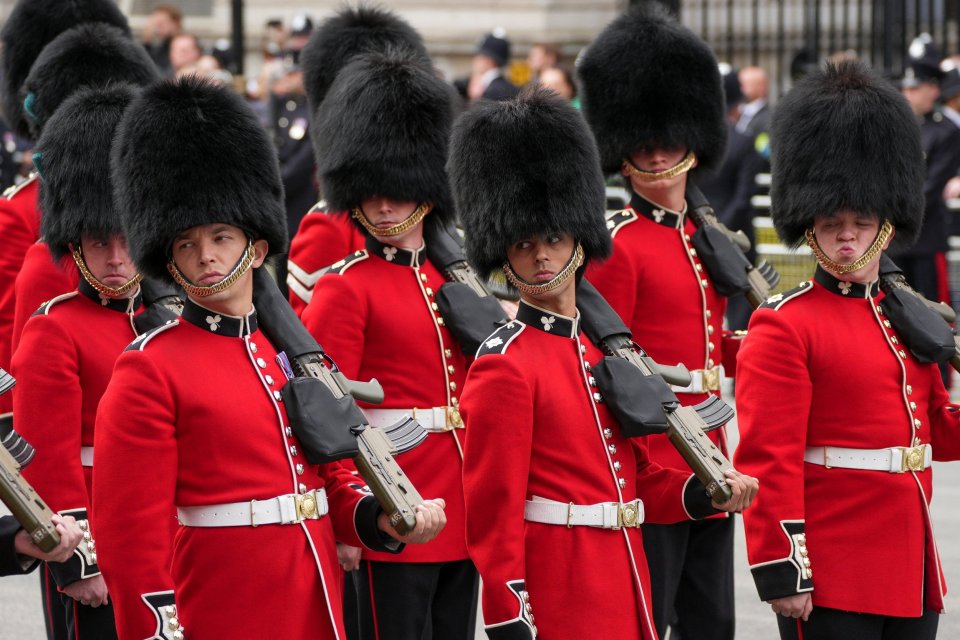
(69, 346)
(194, 417)
(325, 237)
(555, 493)
(839, 418)
(653, 97)
(31, 25)
(382, 139)
(88, 55)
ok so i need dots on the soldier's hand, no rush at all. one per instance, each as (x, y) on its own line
(70, 536)
(90, 591)
(430, 522)
(348, 557)
(744, 489)
(796, 606)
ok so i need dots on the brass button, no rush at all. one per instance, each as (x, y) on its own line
(288, 431)
(909, 389)
(447, 353)
(917, 423)
(440, 322)
(592, 381)
(268, 378)
(450, 369)
(261, 363)
(902, 354)
(710, 329)
(453, 386)
(253, 347)
(708, 314)
(894, 340)
(879, 310)
(454, 401)
(612, 448)
(429, 291)
(423, 277)
(693, 252)
(698, 267)
(597, 397)
(277, 396)
(686, 237)
(621, 482)
(704, 282)
(710, 363)
(608, 433)
(913, 406)
(886, 323)
(433, 305)
(299, 469)
(617, 465)
(710, 346)
(293, 451)
(302, 487)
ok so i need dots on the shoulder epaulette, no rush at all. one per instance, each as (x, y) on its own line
(341, 266)
(499, 340)
(320, 207)
(140, 342)
(777, 301)
(620, 219)
(46, 306)
(14, 189)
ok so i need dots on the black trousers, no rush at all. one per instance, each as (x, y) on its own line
(67, 619)
(691, 578)
(834, 624)
(417, 601)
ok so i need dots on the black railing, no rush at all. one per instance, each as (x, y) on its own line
(788, 37)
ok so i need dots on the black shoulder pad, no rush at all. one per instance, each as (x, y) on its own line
(499, 340)
(776, 301)
(140, 342)
(341, 266)
(44, 309)
(620, 219)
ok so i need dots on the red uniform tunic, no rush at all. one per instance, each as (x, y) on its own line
(193, 417)
(656, 283)
(62, 367)
(19, 228)
(822, 367)
(530, 399)
(374, 314)
(321, 240)
(40, 279)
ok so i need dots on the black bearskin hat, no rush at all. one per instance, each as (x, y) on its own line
(383, 130)
(844, 138)
(31, 25)
(526, 167)
(349, 33)
(91, 54)
(189, 153)
(73, 155)
(648, 81)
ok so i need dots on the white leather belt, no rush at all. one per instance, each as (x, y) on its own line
(86, 456)
(433, 419)
(702, 381)
(891, 459)
(605, 515)
(292, 508)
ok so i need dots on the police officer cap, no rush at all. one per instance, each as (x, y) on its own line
(495, 45)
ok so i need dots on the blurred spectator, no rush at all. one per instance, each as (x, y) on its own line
(950, 97)
(542, 56)
(185, 51)
(163, 23)
(755, 113)
(924, 264)
(560, 80)
(271, 66)
(486, 81)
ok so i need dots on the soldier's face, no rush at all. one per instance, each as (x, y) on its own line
(538, 259)
(846, 235)
(207, 253)
(657, 159)
(385, 212)
(108, 259)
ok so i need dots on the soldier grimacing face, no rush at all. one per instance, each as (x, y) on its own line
(539, 259)
(108, 259)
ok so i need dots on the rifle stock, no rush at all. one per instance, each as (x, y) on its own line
(376, 460)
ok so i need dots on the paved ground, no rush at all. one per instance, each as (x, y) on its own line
(20, 615)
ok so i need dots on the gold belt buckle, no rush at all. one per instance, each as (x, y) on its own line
(912, 458)
(306, 506)
(454, 421)
(711, 379)
(628, 515)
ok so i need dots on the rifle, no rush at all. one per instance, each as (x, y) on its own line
(343, 430)
(923, 324)
(723, 252)
(27, 507)
(465, 301)
(686, 426)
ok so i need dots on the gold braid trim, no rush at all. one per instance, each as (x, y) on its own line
(652, 176)
(401, 227)
(110, 292)
(198, 291)
(872, 252)
(576, 260)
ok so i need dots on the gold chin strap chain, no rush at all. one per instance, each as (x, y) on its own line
(243, 265)
(872, 252)
(110, 292)
(401, 227)
(576, 260)
(652, 176)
